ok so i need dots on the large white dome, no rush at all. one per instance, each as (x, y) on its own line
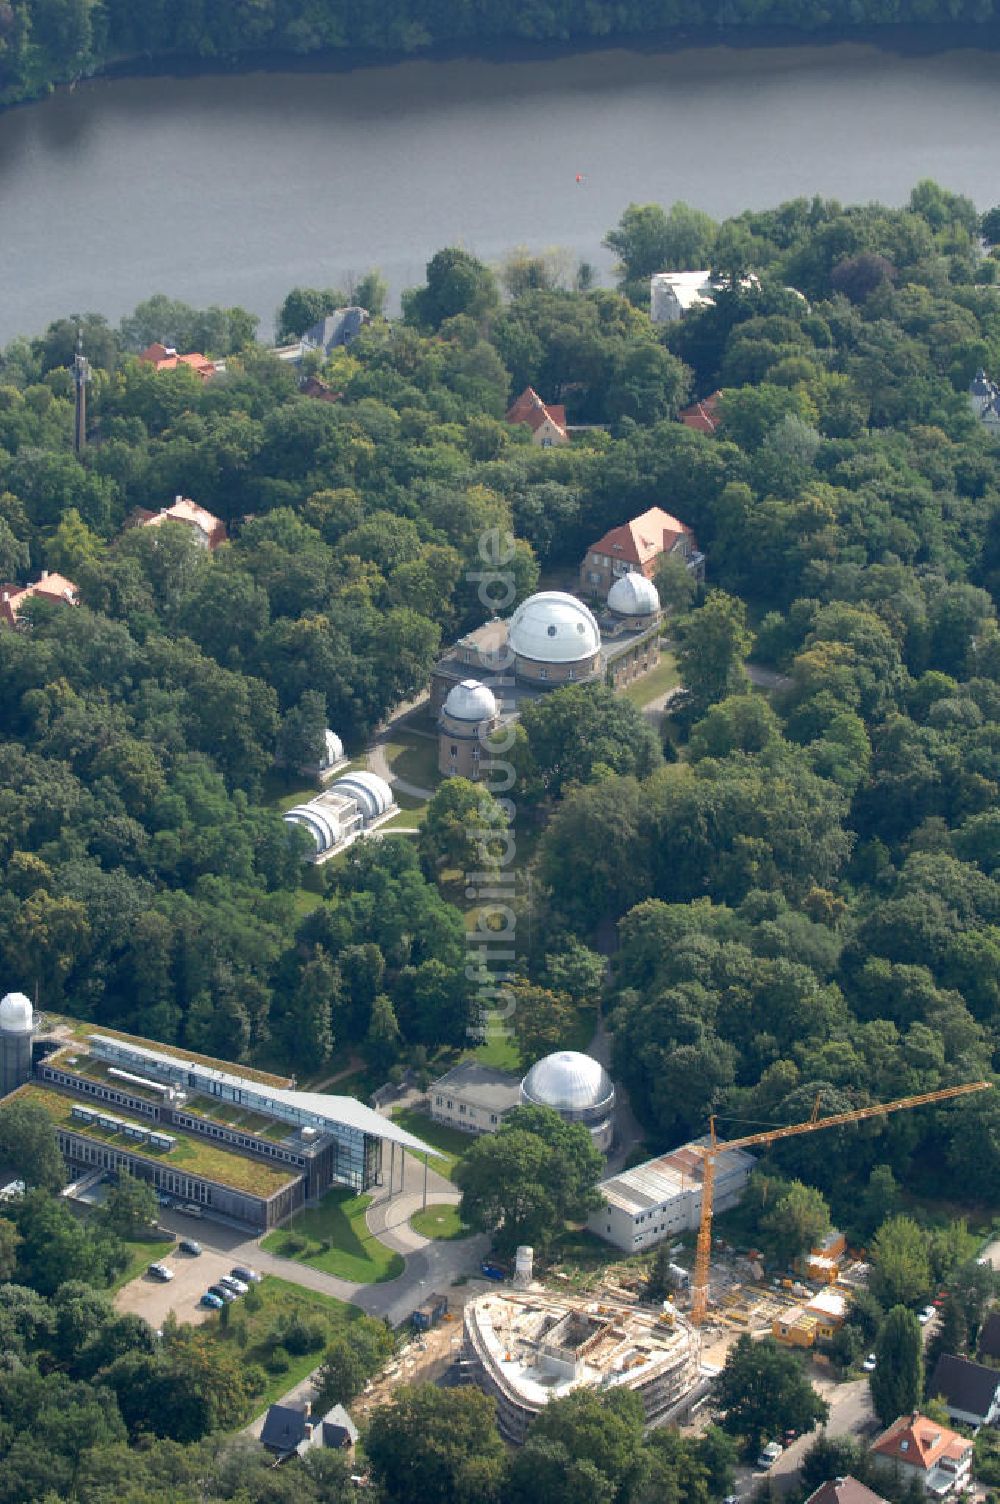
(569, 1082)
(470, 701)
(553, 627)
(633, 595)
(16, 1014)
(371, 793)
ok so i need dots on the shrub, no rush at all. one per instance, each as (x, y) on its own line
(295, 1243)
(277, 1360)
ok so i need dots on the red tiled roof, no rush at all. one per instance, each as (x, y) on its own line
(702, 416)
(166, 359)
(642, 539)
(919, 1442)
(844, 1491)
(529, 408)
(183, 509)
(51, 587)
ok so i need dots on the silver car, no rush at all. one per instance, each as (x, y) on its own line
(232, 1283)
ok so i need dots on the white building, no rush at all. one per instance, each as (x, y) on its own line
(473, 1097)
(356, 803)
(526, 1348)
(655, 1201)
(673, 294)
(578, 1088)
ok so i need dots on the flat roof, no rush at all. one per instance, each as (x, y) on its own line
(494, 1089)
(189, 1154)
(83, 1031)
(677, 1173)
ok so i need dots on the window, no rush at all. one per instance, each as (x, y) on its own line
(438, 1101)
(461, 1108)
(493, 1117)
(454, 751)
(543, 673)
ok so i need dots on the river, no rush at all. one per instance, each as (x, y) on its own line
(233, 189)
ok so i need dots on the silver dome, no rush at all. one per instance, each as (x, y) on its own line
(633, 595)
(470, 701)
(16, 1014)
(569, 1082)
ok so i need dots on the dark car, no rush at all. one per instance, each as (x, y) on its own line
(188, 1245)
(248, 1276)
(222, 1292)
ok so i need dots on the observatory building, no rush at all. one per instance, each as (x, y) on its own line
(17, 1024)
(527, 1347)
(356, 803)
(578, 1088)
(468, 716)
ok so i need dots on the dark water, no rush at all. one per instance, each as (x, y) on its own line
(234, 189)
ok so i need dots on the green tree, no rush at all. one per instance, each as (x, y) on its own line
(897, 1381)
(797, 1222)
(714, 642)
(28, 1143)
(950, 1335)
(436, 1446)
(763, 1392)
(575, 730)
(303, 307)
(464, 828)
(130, 1206)
(383, 1038)
(457, 283)
(901, 1272)
(542, 1020)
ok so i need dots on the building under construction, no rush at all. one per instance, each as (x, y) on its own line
(528, 1347)
(661, 1198)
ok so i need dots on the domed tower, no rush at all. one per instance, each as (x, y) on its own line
(578, 1088)
(634, 600)
(17, 1025)
(467, 717)
(555, 640)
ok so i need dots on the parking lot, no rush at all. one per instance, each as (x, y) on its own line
(152, 1299)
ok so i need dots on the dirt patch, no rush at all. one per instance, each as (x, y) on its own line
(149, 1298)
(425, 1360)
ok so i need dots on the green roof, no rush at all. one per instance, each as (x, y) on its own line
(226, 1167)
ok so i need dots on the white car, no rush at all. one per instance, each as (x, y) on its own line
(161, 1272)
(770, 1454)
(238, 1286)
(927, 1314)
(870, 1363)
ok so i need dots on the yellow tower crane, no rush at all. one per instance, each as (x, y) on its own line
(714, 1148)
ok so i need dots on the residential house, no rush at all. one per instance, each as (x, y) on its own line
(970, 1390)
(209, 530)
(915, 1447)
(547, 420)
(703, 416)
(984, 399)
(341, 327)
(844, 1491)
(51, 587)
(291, 1430)
(166, 358)
(638, 545)
(673, 294)
(989, 1336)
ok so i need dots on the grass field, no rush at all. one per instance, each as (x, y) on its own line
(414, 758)
(450, 1141)
(279, 1298)
(334, 1237)
(141, 1255)
(651, 686)
(439, 1222)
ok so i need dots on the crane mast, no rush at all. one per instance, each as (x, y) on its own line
(711, 1151)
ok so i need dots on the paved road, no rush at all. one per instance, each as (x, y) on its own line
(851, 1414)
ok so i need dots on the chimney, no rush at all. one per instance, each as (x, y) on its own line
(307, 1408)
(45, 574)
(178, 499)
(308, 1430)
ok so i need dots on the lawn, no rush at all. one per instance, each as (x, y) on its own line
(439, 1222)
(140, 1255)
(334, 1237)
(279, 1298)
(450, 1141)
(499, 1050)
(651, 686)
(414, 759)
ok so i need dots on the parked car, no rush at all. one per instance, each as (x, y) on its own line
(770, 1454)
(161, 1272)
(238, 1286)
(250, 1276)
(223, 1292)
(188, 1245)
(927, 1314)
(191, 1209)
(213, 1302)
(870, 1363)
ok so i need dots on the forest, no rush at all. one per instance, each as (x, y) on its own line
(47, 42)
(803, 882)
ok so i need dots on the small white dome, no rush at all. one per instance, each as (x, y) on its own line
(569, 1082)
(371, 794)
(470, 701)
(553, 627)
(333, 748)
(16, 1014)
(633, 595)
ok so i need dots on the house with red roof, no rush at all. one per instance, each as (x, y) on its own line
(846, 1490)
(703, 416)
(51, 587)
(639, 546)
(165, 358)
(208, 529)
(547, 420)
(916, 1447)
